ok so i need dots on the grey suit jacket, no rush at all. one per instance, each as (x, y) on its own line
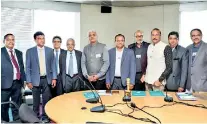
(128, 66)
(32, 66)
(178, 77)
(63, 68)
(197, 70)
(7, 68)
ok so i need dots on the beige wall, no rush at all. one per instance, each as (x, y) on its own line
(126, 21)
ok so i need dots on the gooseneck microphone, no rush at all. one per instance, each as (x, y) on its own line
(100, 108)
(90, 100)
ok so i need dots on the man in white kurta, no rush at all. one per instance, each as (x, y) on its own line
(159, 62)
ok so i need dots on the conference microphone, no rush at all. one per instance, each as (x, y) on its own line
(167, 98)
(100, 108)
(91, 100)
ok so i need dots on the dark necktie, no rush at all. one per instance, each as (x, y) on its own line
(14, 61)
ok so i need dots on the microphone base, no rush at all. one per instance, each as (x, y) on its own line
(168, 99)
(126, 99)
(99, 109)
(92, 100)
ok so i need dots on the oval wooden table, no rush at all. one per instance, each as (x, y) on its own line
(67, 109)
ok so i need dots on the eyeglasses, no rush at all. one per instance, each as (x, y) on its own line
(139, 36)
(196, 35)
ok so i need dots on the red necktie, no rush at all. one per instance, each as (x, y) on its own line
(14, 61)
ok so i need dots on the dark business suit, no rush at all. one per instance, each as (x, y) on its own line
(70, 84)
(144, 46)
(41, 84)
(56, 91)
(9, 86)
(178, 77)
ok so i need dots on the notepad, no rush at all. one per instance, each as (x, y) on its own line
(186, 96)
(156, 93)
(138, 93)
(89, 95)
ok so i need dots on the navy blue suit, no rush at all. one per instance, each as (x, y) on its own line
(9, 86)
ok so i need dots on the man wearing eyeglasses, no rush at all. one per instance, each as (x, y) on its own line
(197, 70)
(140, 51)
(70, 68)
(58, 90)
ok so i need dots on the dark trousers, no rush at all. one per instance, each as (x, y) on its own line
(58, 90)
(98, 85)
(14, 92)
(72, 84)
(117, 84)
(43, 88)
(138, 84)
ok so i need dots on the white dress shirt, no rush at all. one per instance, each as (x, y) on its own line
(14, 69)
(43, 51)
(118, 62)
(75, 67)
(58, 70)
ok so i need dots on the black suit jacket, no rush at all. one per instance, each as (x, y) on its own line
(144, 54)
(7, 68)
(63, 68)
(61, 52)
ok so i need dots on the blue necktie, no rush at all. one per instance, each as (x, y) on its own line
(56, 60)
(70, 69)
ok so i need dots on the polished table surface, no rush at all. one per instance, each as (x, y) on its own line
(67, 109)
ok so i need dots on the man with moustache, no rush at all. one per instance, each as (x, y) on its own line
(12, 76)
(122, 66)
(95, 62)
(159, 62)
(176, 81)
(197, 69)
(140, 51)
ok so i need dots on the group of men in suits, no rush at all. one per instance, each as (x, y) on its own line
(52, 72)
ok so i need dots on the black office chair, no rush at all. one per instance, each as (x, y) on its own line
(26, 114)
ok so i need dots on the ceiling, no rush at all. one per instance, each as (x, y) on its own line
(122, 3)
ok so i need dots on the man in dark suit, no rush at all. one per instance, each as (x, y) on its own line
(122, 66)
(70, 68)
(140, 52)
(40, 73)
(176, 81)
(58, 90)
(12, 76)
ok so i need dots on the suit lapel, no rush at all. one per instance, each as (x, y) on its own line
(18, 57)
(199, 52)
(6, 54)
(36, 55)
(77, 58)
(123, 55)
(190, 55)
(46, 56)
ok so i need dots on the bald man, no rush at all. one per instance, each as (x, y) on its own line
(70, 68)
(95, 62)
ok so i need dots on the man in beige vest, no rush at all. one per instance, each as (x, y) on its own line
(159, 62)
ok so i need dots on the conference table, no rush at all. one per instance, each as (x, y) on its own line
(66, 108)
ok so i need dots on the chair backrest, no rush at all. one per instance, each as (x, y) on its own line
(27, 115)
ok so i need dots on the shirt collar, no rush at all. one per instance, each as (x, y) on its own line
(40, 48)
(8, 50)
(94, 44)
(156, 43)
(72, 51)
(57, 50)
(121, 50)
(141, 43)
(199, 44)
